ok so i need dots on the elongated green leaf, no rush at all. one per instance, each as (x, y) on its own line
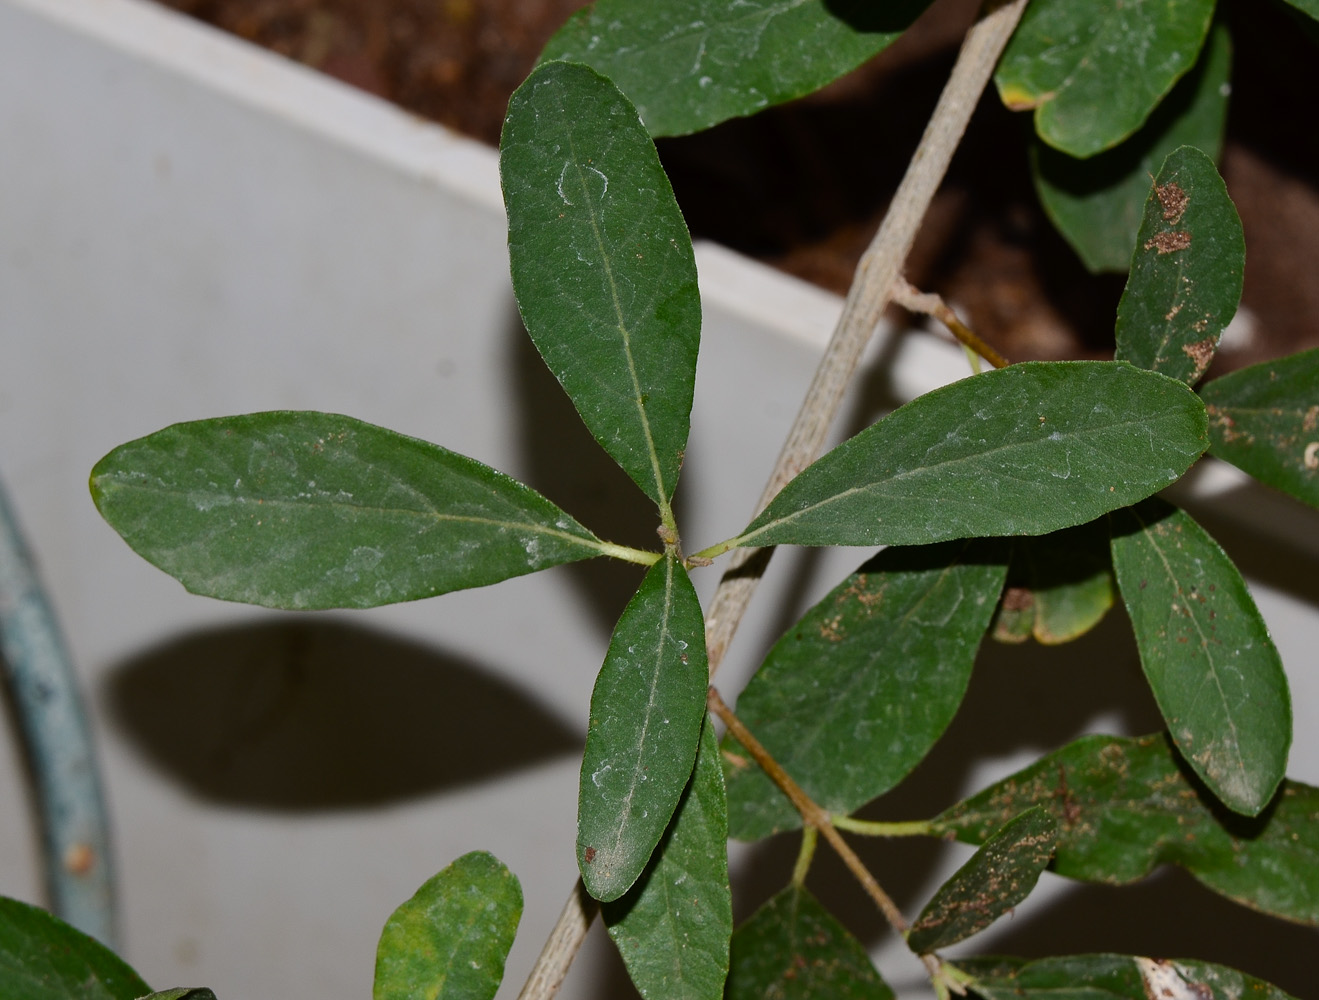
(1265, 420)
(1023, 450)
(449, 941)
(792, 948)
(603, 267)
(1113, 977)
(293, 509)
(672, 928)
(1310, 7)
(855, 694)
(1059, 586)
(1206, 652)
(43, 958)
(690, 64)
(1094, 71)
(1124, 806)
(1186, 273)
(998, 877)
(1097, 203)
(646, 714)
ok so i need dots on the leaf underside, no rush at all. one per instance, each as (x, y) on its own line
(1059, 586)
(672, 927)
(690, 64)
(450, 940)
(1186, 272)
(602, 266)
(293, 509)
(1094, 71)
(851, 699)
(1022, 450)
(1125, 806)
(1096, 203)
(1206, 652)
(1265, 419)
(646, 714)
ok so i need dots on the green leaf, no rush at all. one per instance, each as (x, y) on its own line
(43, 958)
(1124, 806)
(1186, 272)
(646, 715)
(851, 699)
(1112, 977)
(690, 64)
(449, 941)
(294, 509)
(1096, 203)
(998, 877)
(1206, 652)
(603, 267)
(1310, 7)
(672, 928)
(1059, 586)
(182, 993)
(1094, 71)
(1265, 420)
(792, 948)
(1022, 450)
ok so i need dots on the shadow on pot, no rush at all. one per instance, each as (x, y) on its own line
(307, 715)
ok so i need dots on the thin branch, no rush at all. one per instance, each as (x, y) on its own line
(562, 945)
(914, 300)
(812, 815)
(871, 291)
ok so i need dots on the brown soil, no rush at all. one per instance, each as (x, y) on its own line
(803, 186)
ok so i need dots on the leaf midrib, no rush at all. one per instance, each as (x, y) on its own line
(923, 470)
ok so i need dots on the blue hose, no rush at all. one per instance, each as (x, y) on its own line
(58, 744)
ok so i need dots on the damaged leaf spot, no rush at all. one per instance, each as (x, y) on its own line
(1164, 981)
(1201, 354)
(1169, 242)
(1312, 456)
(1173, 200)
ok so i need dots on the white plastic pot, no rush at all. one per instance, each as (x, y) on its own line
(190, 227)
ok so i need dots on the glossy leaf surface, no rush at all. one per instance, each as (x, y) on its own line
(792, 948)
(851, 699)
(1022, 450)
(1124, 806)
(1206, 653)
(1094, 71)
(1113, 977)
(1265, 419)
(293, 509)
(690, 64)
(998, 877)
(646, 715)
(1059, 586)
(43, 958)
(1186, 274)
(602, 266)
(450, 940)
(673, 927)
(1097, 203)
